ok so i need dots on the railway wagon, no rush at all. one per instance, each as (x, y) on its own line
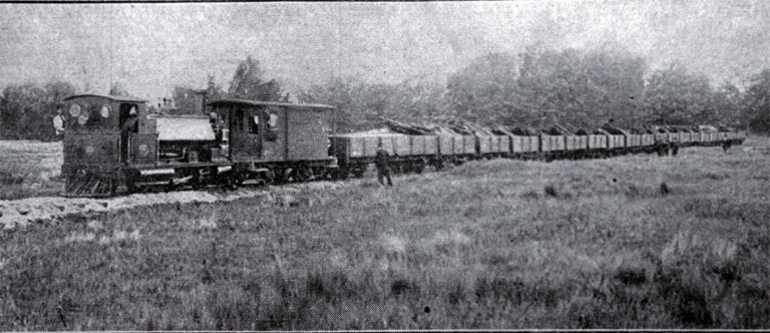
(355, 151)
(597, 142)
(648, 140)
(450, 145)
(694, 137)
(485, 145)
(469, 146)
(524, 145)
(551, 144)
(575, 142)
(633, 140)
(504, 145)
(616, 141)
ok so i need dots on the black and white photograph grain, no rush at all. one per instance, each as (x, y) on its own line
(385, 166)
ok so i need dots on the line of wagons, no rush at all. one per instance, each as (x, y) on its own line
(412, 153)
(115, 145)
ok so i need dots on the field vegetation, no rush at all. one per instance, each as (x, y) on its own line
(628, 242)
(30, 168)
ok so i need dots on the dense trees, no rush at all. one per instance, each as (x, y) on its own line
(26, 110)
(362, 106)
(249, 83)
(541, 87)
(538, 87)
(675, 97)
(757, 102)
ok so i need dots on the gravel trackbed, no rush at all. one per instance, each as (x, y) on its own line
(19, 213)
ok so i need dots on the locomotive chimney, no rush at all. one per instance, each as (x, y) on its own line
(200, 101)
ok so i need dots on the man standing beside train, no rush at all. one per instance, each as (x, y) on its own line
(58, 124)
(382, 161)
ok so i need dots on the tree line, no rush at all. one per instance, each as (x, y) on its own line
(538, 87)
(542, 87)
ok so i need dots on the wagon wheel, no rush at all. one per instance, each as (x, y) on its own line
(446, 162)
(419, 166)
(405, 167)
(358, 171)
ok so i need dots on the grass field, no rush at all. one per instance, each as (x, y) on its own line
(29, 169)
(628, 242)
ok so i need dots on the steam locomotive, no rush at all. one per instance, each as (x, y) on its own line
(114, 145)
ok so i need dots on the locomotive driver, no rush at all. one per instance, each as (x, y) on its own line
(131, 122)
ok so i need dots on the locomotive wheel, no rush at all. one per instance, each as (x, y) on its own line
(170, 186)
(197, 181)
(130, 182)
(235, 180)
(300, 174)
(342, 173)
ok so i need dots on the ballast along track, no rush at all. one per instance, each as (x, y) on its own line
(114, 146)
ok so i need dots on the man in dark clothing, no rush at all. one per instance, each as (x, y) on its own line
(131, 123)
(382, 161)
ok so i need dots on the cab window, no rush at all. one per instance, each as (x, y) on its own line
(128, 117)
(271, 122)
(254, 124)
(238, 120)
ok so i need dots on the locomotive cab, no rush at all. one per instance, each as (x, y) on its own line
(97, 141)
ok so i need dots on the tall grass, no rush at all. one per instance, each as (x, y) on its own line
(29, 169)
(484, 245)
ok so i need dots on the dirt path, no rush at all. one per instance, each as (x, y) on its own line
(19, 213)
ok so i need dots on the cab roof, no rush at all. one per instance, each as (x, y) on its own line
(110, 97)
(246, 102)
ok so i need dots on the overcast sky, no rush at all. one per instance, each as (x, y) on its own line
(152, 47)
